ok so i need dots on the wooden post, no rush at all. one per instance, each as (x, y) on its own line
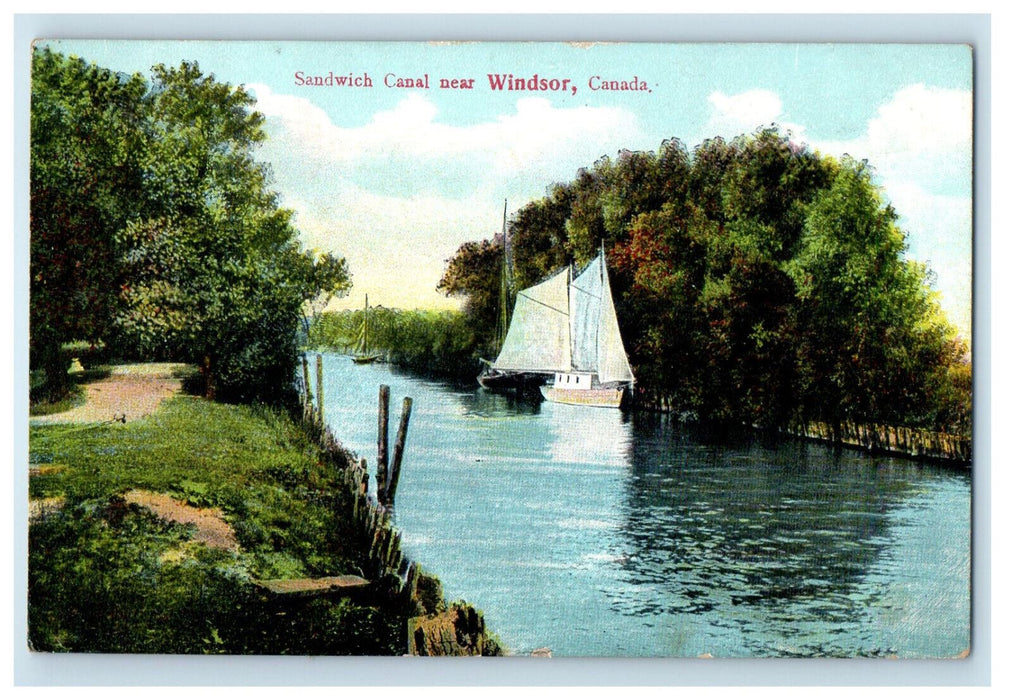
(411, 581)
(382, 442)
(393, 557)
(370, 518)
(319, 385)
(402, 435)
(377, 538)
(307, 398)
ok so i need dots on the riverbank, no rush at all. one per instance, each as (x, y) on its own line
(874, 438)
(912, 443)
(207, 528)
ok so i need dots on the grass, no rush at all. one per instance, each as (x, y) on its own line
(74, 398)
(106, 575)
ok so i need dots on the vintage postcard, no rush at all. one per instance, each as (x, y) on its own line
(483, 348)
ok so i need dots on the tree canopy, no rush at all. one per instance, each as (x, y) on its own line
(756, 282)
(154, 228)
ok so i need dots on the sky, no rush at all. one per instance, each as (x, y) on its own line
(396, 177)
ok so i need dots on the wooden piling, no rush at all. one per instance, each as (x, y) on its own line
(393, 555)
(411, 581)
(307, 399)
(382, 443)
(402, 435)
(319, 385)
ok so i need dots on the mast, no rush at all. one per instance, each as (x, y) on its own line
(502, 325)
(601, 313)
(505, 242)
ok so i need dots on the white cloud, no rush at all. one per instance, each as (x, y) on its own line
(399, 194)
(731, 115)
(411, 143)
(396, 247)
(922, 135)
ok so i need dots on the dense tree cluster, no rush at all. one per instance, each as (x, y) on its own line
(153, 228)
(756, 282)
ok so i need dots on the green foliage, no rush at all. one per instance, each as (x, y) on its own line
(475, 273)
(444, 343)
(105, 575)
(85, 129)
(756, 282)
(154, 228)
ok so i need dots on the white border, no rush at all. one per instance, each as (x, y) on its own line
(111, 670)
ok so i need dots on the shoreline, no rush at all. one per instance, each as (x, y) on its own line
(437, 628)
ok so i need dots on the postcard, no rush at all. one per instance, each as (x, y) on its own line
(489, 348)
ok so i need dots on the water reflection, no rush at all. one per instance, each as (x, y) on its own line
(773, 542)
(486, 403)
(592, 436)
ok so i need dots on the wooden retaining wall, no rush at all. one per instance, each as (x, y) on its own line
(872, 437)
(401, 578)
(887, 439)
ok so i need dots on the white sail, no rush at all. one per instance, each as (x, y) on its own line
(567, 326)
(585, 317)
(612, 362)
(538, 339)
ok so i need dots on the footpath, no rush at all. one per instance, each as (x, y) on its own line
(128, 393)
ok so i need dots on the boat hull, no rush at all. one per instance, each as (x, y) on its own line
(494, 380)
(365, 359)
(602, 398)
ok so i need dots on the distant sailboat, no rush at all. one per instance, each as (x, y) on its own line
(566, 330)
(362, 354)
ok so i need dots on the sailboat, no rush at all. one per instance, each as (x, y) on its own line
(494, 378)
(362, 354)
(565, 329)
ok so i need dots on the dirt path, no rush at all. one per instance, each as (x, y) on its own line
(129, 393)
(212, 530)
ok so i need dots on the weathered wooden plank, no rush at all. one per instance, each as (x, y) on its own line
(382, 442)
(319, 385)
(309, 587)
(402, 436)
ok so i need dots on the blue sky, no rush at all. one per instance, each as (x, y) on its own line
(396, 179)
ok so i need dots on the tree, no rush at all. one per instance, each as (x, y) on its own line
(755, 282)
(154, 228)
(475, 273)
(537, 235)
(85, 137)
(219, 278)
(871, 335)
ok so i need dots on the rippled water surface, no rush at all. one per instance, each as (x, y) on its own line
(598, 533)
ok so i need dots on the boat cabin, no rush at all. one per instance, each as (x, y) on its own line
(575, 380)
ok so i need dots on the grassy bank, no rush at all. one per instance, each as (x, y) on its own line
(108, 574)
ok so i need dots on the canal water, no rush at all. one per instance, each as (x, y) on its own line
(594, 532)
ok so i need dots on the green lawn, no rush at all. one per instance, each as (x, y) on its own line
(107, 575)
